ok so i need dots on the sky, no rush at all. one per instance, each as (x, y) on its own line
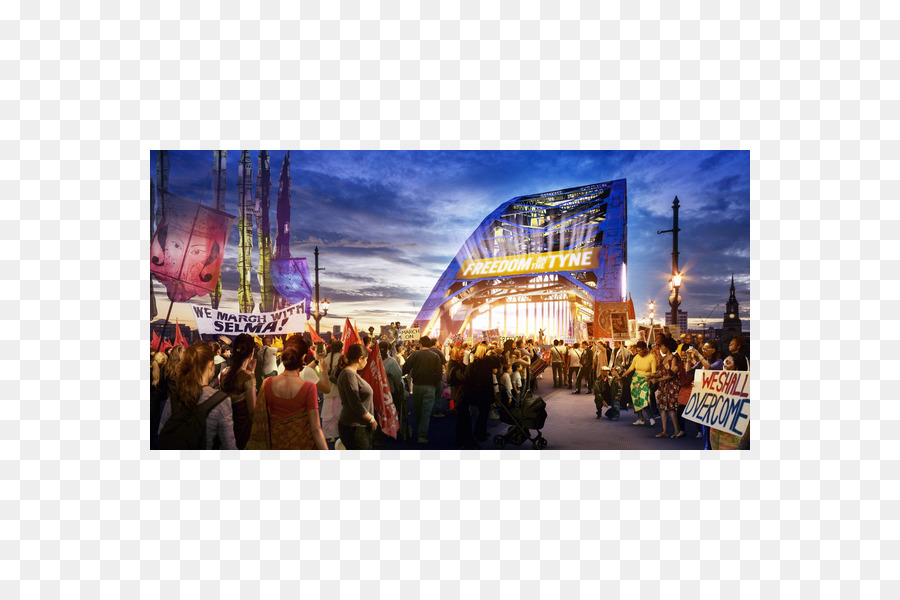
(388, 223)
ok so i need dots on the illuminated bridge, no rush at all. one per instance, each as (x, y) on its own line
(536, 262)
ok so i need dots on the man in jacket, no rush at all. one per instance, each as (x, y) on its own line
(425, 368)
(557, 354)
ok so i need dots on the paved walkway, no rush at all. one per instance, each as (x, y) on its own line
(571, 425)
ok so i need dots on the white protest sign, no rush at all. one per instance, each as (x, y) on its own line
(410, 334)
(491, 335)
(289, 320)
(720, 399)
(675, 330)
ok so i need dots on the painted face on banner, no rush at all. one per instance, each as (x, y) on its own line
(187, 250)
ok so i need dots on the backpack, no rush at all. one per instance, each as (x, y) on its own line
(186, 428)
(333, 368)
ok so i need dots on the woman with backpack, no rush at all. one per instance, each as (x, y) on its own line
(287, 409)
(196, 414)
(238, 382)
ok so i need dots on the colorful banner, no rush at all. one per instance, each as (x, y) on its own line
(583, 259)
(611, 320)
(410, 334)
(187, 250)
(290, 277)
(720, 399)
(289, 320)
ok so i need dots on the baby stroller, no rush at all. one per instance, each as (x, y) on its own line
(522, 415)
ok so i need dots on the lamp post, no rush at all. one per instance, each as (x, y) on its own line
(321, 308)
(651, 306)
(675, 282)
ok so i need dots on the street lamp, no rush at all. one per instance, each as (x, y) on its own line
(675, 283)
(320, 312)
(651, 305)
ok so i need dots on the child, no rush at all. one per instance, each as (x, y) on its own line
(506, 387)
(603, 396)
(517, 381)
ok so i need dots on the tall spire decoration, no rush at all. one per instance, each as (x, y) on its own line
(732, 297)
(245, 228)
(162, 183)
(283, 216)
(153, 311)
(220, 176)
(263, 184)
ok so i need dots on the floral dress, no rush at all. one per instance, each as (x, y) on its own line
(667, 396)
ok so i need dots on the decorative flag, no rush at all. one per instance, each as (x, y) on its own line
(179, 339)
(187, 250)
(349, 336)
(290, 277)
(375, 375)
(263, 233)
(245, 230)
(314, 337)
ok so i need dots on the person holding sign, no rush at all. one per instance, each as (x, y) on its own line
(709, 360)
(643, 366)
(722, 440)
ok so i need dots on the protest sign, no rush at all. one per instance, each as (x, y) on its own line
(611, 320)
(289, 320)
(720, 399)
(410, 334)
(491, 335)
(675, 330)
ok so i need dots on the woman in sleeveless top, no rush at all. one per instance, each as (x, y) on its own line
(287, 410)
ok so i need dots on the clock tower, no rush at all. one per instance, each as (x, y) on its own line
(731, 324)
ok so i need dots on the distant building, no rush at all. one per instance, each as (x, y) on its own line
(682, 320)
(168, 331)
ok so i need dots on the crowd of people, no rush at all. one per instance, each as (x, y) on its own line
(250, 395)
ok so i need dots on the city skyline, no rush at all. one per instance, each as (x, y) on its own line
(387, 223)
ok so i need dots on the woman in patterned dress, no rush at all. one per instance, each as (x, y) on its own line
(669, 378)
(287, 410)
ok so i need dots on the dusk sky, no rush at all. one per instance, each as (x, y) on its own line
(387, 223)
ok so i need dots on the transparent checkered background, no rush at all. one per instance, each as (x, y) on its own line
(89, 88)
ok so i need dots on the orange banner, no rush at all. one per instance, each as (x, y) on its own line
(583, 259)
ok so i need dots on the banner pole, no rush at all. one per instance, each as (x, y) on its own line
(162, 337)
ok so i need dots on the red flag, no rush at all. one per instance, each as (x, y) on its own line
(154, 340)
(630, 308)
(349, 336)
(314, 337)
(179, 339)
(166, 345)
(375, 375)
